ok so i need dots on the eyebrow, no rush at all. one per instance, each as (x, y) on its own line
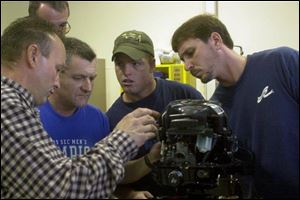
(61, 66)
(63, 24)
(187, 52)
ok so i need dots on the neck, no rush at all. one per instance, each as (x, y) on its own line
(60, 107)
(18, 74)
(233, 69)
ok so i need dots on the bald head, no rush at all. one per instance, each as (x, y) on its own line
(56, 12)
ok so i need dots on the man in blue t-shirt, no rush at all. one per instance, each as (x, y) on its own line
(74, 125)
(260, 94)
(133, 55)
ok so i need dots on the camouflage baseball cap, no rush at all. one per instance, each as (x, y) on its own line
(135, 44)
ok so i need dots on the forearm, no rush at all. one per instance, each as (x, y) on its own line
(134, 170)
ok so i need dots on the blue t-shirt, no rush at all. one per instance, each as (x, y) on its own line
(263, 111)
(75, 134)
(165, 92)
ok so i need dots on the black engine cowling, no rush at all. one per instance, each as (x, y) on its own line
(198, 151)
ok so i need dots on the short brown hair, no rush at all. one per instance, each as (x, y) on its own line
(79, 48)
(201, 26)
(23, 32)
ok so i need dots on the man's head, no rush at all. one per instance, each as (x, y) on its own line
(56, 12)
(135, 44)
(133, 55)
(200, 43)
(201, 27)
(76, 80)
(32, 54)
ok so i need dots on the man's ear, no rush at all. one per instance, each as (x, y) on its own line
(33, 54)
(216, 40)
(152, 64)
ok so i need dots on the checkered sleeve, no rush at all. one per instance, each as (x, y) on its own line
(32, 166)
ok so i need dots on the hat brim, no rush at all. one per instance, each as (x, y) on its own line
(132, 52)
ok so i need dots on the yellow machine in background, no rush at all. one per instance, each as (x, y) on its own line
(175, 72)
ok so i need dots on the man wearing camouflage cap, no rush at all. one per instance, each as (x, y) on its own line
(133, 55)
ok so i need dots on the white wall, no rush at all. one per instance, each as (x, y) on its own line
(10, 10)
(262, 24)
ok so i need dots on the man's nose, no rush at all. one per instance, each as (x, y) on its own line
(56, 82)
(188, 65)
(87, 85)
(127, 68)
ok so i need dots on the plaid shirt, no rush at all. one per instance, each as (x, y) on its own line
(32, 166)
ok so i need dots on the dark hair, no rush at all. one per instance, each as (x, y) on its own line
(201, 26)
(77, 47)
(23, 32)
(56, 5)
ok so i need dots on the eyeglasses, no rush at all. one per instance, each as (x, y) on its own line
(240, 49)
(64, 27)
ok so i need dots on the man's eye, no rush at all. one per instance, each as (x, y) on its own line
(59, 70)
(119, 64)
(78, 78)
(62, 25)
(190, 53)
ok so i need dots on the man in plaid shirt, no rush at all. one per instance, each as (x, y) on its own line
(32, 166)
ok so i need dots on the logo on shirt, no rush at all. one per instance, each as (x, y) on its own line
(265, 93)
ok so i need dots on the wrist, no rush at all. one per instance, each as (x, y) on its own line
(148, 162)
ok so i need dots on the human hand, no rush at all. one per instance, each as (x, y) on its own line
(140, 125)
(125, 192)
(140, 195)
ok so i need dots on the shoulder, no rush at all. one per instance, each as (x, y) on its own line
(278, 59)
(9, 96)
(279, 53)
(285, 56)
(117, 105)
(285, 51)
